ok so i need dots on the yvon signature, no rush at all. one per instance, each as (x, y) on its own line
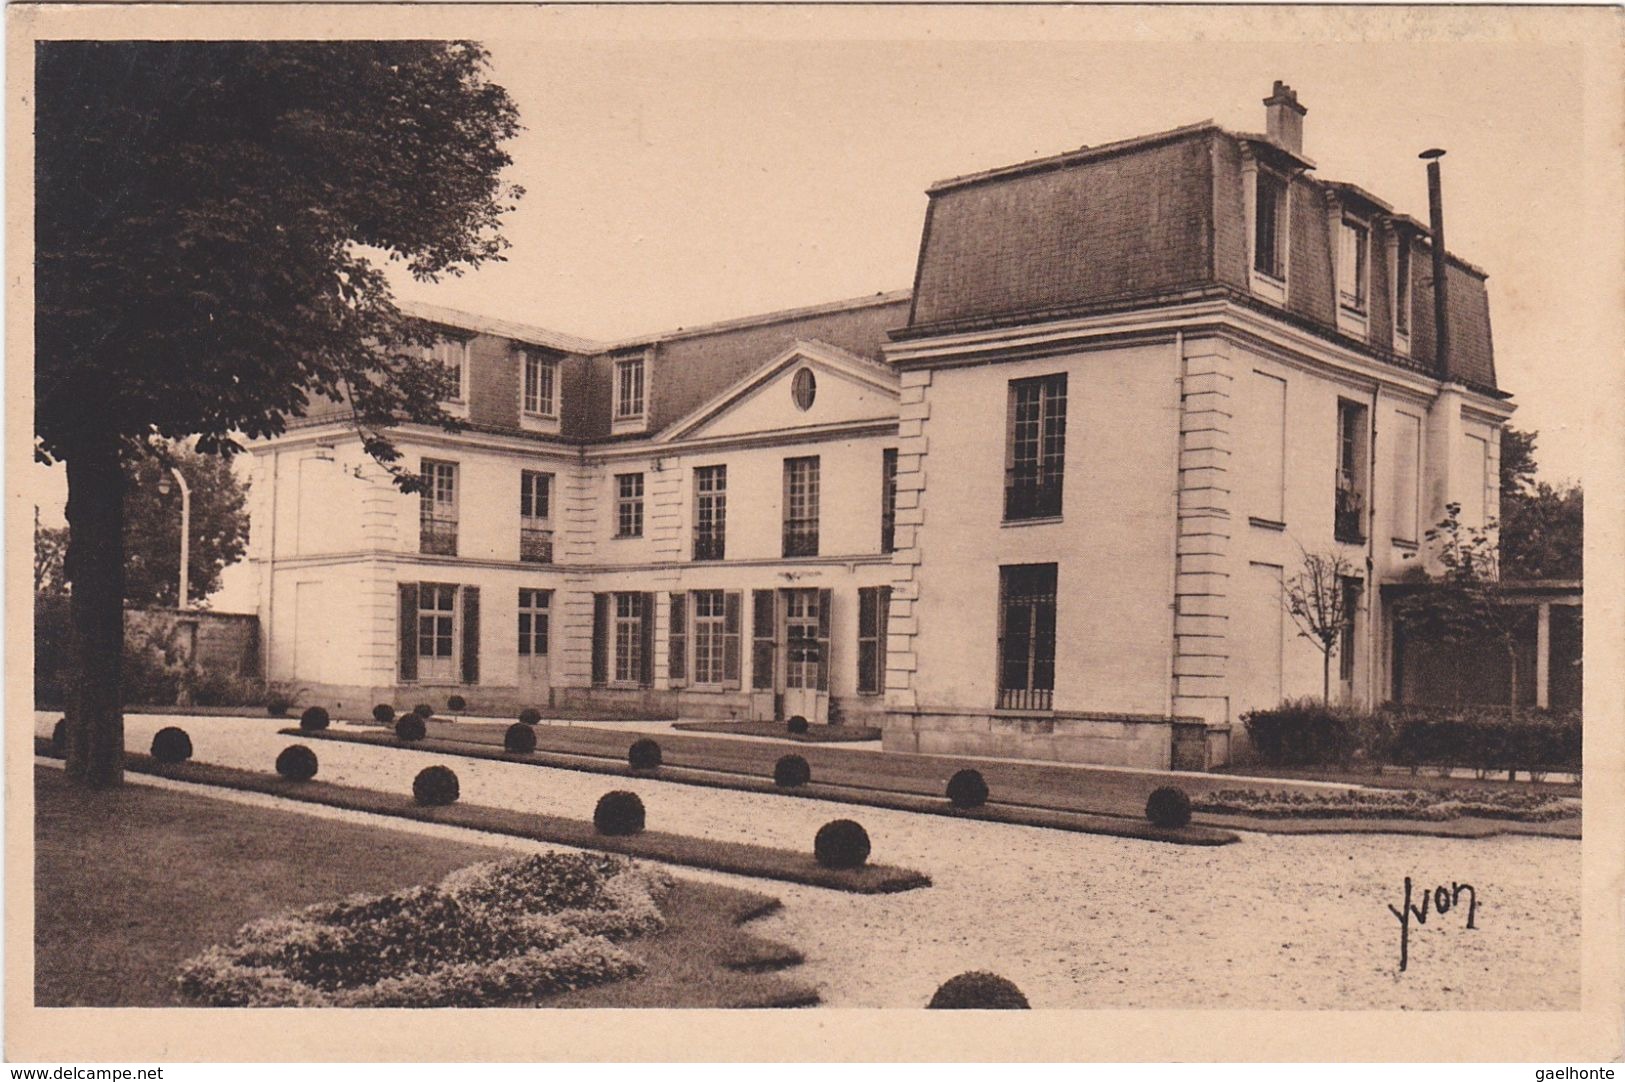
(1443, 900)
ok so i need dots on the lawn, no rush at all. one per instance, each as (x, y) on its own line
(815, 734)
(131, 882)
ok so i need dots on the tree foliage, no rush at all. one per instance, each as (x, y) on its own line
(1542, 525)
(218, 533)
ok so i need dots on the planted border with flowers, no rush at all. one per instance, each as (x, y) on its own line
(1426, 805)
(500, 934)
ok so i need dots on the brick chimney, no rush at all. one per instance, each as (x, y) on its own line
(1284, 118)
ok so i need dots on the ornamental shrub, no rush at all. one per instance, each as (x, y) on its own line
(797, 724)
(618, 813)
(383, 713)
(530, 716)
(410, 728)
(1168, 807)
(424, 711)
(643, 755)
(978, 990)
(520, 739)
(171, 745)
(967, 789)
(314, 719)
(791, 771)
(1486, 738)
(1309, 732)
(435, 785)
(59, 738)
(296, 763)
(277, 706)
(456, 703)
(841, 843)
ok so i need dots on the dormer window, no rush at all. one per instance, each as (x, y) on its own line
(1353, 266)
(1402, 291)
(629, 388)
(454, 355)
(1269, 226)
(539, 388)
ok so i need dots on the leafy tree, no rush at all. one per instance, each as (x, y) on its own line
(1318, 603)
(1542, 525)
(218, 534)
(208, 221)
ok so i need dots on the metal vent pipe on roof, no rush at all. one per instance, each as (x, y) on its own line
(1441, 284)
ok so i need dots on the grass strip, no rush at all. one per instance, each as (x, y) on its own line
(1014, 814)
(736, 858)
(774, 730)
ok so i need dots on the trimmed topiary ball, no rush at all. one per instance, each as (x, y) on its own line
(424, 711)
(520, 739)
(277, 706)
(410, 728)
(797, 724)
(171, 745)
(967, 789)
(530, 716)
(841, 843)
(791, 771)
(296, 763)
(314, 720)
(643, 754)
(978, 991)
(435, 785)
(1169, 807)
(456, 703)
(383, 714)
(618, 813)
(59, 738)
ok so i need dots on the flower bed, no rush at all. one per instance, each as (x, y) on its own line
(504, 933)
(1430, 806)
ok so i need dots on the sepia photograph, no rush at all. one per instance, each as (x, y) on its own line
(845, 509)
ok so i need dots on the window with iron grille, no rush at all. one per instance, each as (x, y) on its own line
(628, 638)
(533, 609)
(888, 499)
(1027, 636)
(708, 636)
(710, 512)
(437, 509)
(539, 396)
(801, 506)
(629, 388)
(1353, 265)
(629, 505)
(1350, 501)
(1269, 213)
(535, 514)
(1035, 461)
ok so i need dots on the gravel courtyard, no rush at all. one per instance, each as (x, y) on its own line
(1077, 920)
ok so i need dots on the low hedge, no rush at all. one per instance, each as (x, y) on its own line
(1426, 805)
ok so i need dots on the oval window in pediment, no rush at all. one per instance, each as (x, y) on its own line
(803, 389)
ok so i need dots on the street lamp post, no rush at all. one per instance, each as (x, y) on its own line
(186, 528)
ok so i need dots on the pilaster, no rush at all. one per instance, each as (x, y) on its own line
(914, 411)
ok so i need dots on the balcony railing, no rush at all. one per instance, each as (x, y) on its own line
(437, 536)
(535, 545)
(1349, 517)
(1027, 496)
(800, 539)
(709, 544)
(1025, 698)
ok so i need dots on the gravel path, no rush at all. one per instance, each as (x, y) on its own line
(1078, 920)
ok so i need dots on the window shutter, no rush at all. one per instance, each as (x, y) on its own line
(730, 640)
(600, 640)
(471, 634)
(646, 631)
(763, 634)
(677, 642)
(409, 632)
(823, 639)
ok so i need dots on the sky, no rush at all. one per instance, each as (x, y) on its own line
(674, 179)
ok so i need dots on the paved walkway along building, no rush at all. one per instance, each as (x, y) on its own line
(1040, 505)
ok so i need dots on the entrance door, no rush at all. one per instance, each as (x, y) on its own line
(806, 664)
(437, 647)
(534, 680)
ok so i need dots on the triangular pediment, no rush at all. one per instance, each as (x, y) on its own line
(844, 388)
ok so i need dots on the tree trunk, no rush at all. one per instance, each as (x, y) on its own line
(1326, 677)
(95, 567)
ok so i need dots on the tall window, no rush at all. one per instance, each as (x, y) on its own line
(539, 395)
(708, 636)
(1035, 456)
(629, 388)
(1353, 269)
(874, 603)
(888, 499)
(1402, 286)
(454, 355)
(629, 505)
(1347, 640)
(710, 512)
(437, 509)
(533, 606)
(1407, 474)
(628, 638)
(437, 618)
(535, 513)
(1269, 220)
(801, 506)
(1026, 637)
(1349, 523)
